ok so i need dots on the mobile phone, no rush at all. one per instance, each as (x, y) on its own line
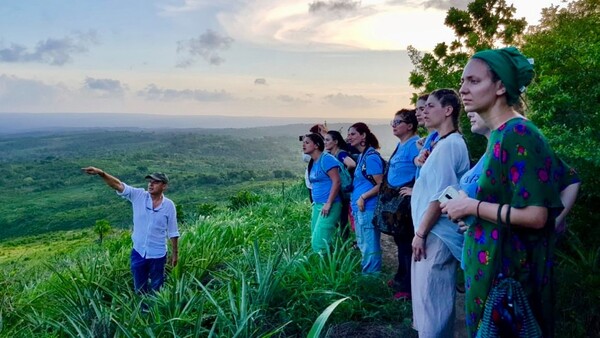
(448, 194)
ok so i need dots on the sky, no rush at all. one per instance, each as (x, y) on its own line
(284, 58)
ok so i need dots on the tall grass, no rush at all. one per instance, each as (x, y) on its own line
(247, 272)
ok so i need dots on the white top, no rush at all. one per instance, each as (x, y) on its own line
(446, 164)
(151, 227)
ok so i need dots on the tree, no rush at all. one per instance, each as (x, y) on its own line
(483, 25)
(566, 93)
(102, 228)
(565, 96)
(563, 103)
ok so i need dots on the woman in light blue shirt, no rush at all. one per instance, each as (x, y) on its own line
(323, 173)
(401, 173)
(367, 180)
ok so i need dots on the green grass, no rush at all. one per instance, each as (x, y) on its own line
(45, 191)
(247, 272)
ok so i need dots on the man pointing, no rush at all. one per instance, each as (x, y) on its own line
(154, 220)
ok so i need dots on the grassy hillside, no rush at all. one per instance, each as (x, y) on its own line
(247, 272)
(44, 189)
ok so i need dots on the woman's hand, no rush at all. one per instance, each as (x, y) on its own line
(325, 209)
(460, 207)
(462, 227)
(420, 160)
(418, 247)
(361, 203)
(421, 142)
(406, 191)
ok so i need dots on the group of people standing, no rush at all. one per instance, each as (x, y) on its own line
(502, 223)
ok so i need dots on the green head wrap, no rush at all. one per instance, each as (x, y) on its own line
(512, 67)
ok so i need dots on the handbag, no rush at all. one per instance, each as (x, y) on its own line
(392, 214)
(507, 312)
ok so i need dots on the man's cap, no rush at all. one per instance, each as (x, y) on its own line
(158, 177)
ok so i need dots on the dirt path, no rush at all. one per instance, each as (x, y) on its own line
(390, 263)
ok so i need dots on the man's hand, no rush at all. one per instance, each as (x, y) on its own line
(110, 180)
(174, 259)
(92, 171)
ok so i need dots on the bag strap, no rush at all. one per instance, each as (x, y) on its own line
(505, 239)
(363, 158)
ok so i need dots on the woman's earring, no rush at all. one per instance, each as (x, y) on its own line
(363, 143)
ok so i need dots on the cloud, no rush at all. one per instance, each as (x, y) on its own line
(104, 87)
(152, 92)
(56, 52)
(206, 46)
(183, 7)
(292, 100)
(17, 92)
(350, 101)
(446, 4)
(262, 82)
(338, 8)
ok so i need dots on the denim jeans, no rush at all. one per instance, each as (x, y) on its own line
(367, 239)
(143, 269)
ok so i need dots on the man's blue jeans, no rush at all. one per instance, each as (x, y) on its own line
(367, 239)
(143, 269)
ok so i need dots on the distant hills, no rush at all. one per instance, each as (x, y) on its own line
(11, 123)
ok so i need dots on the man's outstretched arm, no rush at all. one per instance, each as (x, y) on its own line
(110, 180)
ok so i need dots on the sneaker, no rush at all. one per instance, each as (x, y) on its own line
(402, 296)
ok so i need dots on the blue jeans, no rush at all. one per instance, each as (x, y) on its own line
(143, 269)
(367, 239)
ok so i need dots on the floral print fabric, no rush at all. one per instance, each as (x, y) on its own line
(520, 170)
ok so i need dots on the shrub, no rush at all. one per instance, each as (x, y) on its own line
(243, 199)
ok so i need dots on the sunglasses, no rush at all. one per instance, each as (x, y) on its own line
(397, 122)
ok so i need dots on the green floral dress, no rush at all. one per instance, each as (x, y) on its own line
(520, 170)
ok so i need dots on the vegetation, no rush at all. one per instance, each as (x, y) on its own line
(102, 227)
(247, 272)
(44, 189)
(562, 101)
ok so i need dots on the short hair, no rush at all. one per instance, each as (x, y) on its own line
(409, 116)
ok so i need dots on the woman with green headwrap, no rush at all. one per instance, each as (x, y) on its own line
(518, 187)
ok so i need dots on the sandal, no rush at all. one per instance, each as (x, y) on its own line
(402, 296)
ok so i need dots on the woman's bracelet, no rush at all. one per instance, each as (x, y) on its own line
(419, 235)
(478, 204)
